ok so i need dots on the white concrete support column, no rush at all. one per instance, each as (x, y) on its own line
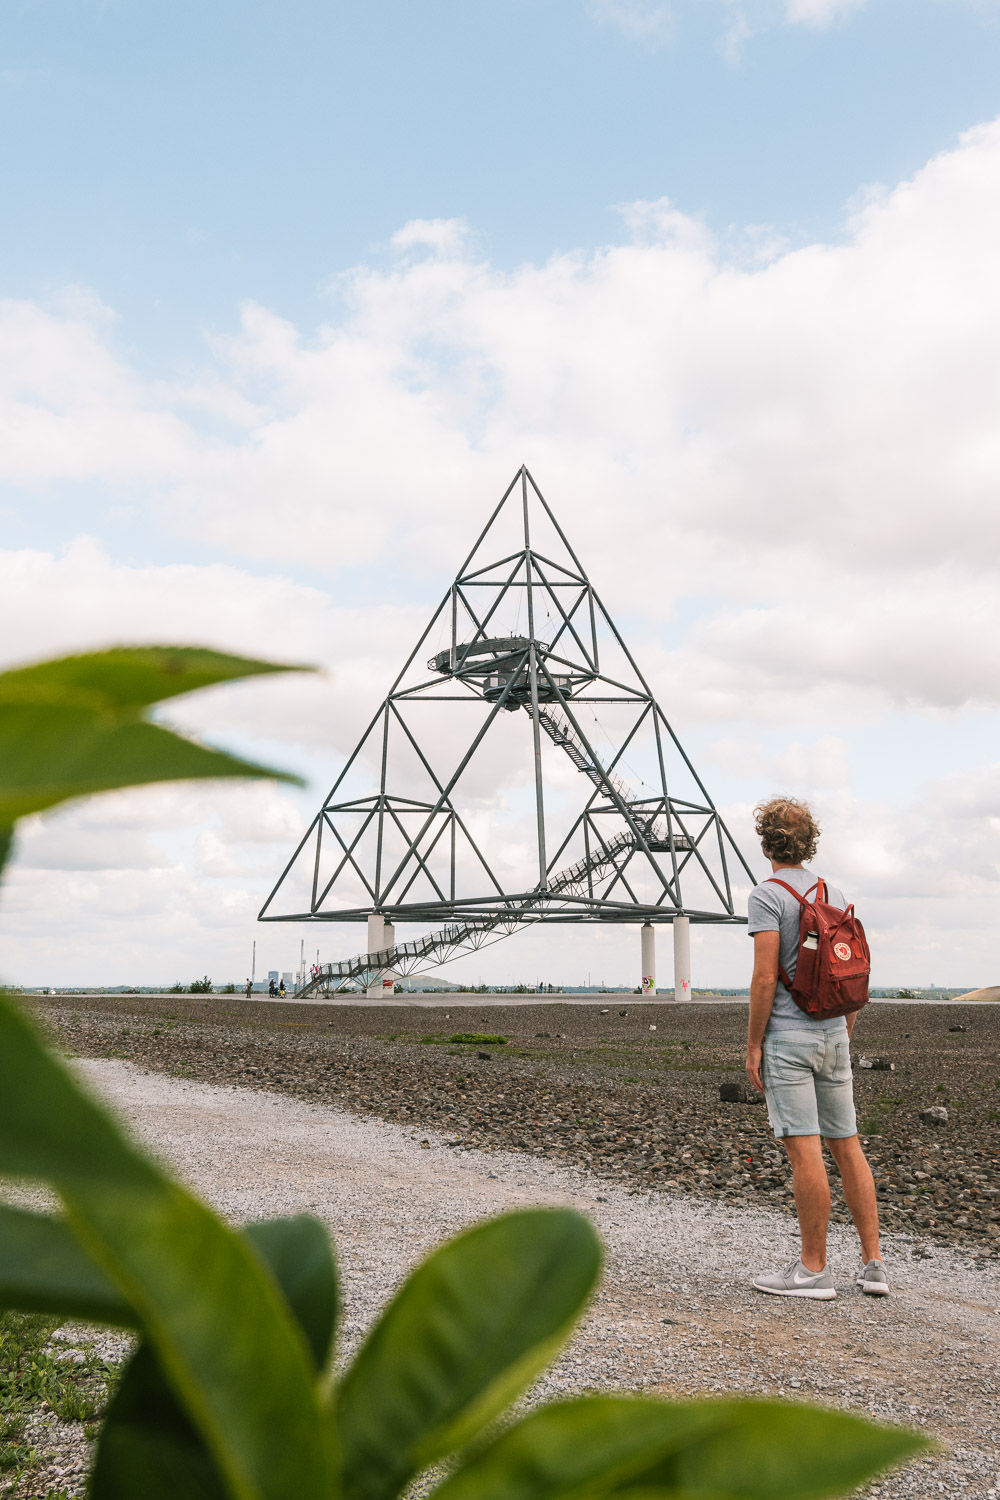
(376, 942)
(648, 959)
(388, 978)
(682, 958)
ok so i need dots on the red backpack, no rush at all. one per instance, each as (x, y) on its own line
(831, 974)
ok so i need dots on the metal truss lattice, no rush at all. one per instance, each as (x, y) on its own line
(518, 771)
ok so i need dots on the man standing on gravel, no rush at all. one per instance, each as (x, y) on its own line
(803, 1066)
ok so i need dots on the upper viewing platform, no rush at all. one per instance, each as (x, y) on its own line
(499, 667)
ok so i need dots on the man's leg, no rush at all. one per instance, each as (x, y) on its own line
(859, 1192)
(812, 1196)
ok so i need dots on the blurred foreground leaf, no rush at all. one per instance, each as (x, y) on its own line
(227, 1396)
(44, 1270)
(692, 1450)
(148, 1445)
(466, 1334)
(77, 726)
(214, 1316)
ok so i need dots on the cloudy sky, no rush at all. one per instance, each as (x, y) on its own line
(288, 292)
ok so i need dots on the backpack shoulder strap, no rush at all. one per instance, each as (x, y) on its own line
(819, 888)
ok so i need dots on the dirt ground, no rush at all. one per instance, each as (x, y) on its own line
(675, 1313)
(627, 1092)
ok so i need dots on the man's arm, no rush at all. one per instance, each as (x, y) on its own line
(766, 947)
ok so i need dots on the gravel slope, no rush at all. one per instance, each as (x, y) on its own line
(674, 1314)
(628, 1092)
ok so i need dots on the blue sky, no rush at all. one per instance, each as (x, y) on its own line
(180, 157)
(288, 292)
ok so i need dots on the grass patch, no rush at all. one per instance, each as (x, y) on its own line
(33, 1377)
(465, 1039)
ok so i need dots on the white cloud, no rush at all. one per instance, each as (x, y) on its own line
(651, 22)
(745, 19)
(821, 763)
(826, 417)
(443, 236)
(820, 13)
(69, 409)
(640, 20)
(805, 445)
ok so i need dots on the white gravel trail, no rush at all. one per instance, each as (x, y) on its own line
(674, 1314)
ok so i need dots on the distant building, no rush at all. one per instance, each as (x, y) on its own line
(273, 974)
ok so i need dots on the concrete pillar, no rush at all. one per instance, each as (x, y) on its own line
(682, 958)
(648, 959)
(376, 942)
(389, 978)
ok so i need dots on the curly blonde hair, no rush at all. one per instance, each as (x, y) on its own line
(787, 830)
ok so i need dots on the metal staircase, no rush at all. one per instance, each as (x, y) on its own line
(458, 938)
(561, 733)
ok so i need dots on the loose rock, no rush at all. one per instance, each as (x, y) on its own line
(739, 1093)
(638, 1108)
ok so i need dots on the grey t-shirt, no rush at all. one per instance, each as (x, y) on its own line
(772, 909)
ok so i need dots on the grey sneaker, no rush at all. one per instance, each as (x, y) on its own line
(873, 1281)
(796, 1281)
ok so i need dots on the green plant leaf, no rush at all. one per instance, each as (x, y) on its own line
(468, 1331)
(73, 727)
(639, 1449)
(211, 1311)
(763, 1450)
(594, 1444)
(49, 754)
(300, 1257)
(43, 1269)
(148, 1447)
(129, 676)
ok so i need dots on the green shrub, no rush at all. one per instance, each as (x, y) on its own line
(200, 986)
(479, 1038)
(229, 1395)
(77, 1406)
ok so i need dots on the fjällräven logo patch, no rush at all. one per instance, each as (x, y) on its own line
(842, 951)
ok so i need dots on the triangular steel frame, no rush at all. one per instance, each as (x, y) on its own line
(618, 833)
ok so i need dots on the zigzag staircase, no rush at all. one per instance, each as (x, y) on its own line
(459, 938)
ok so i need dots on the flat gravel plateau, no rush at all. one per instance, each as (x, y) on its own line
(628, 1093)
(674, 1314)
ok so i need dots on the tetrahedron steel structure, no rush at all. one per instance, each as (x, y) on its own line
(518, 771)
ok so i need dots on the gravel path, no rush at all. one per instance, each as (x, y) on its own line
(674, 1314)
(628, 1093)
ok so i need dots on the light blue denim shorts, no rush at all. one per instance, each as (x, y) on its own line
(808, 1083)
